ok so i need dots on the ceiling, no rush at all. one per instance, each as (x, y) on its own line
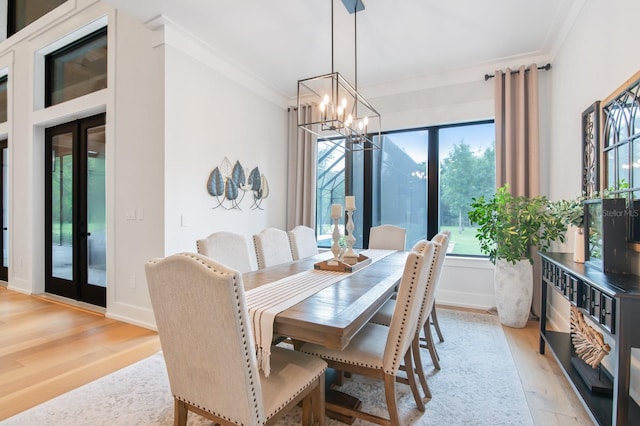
(282, 41)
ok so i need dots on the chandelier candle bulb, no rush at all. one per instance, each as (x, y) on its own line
(350, 202)
(336, 211)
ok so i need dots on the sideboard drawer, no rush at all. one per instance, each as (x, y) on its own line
(608, 313)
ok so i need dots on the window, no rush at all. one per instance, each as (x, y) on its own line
(467, 170)
(421, 179)
(23, 12)
(77, 69)
(3, 99)
(330, 187)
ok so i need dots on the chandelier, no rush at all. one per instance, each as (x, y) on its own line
(340, 112)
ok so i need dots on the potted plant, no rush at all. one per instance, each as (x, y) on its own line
(571, 212)
(509, 227)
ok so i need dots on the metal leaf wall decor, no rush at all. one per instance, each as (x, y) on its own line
(229, 184)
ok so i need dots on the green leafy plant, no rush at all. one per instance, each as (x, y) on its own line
(510, 226)
(570, 212)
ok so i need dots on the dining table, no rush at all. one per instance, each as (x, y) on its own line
(333, 316)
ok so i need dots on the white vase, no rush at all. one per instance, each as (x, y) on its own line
(578, 245)
(513, 285)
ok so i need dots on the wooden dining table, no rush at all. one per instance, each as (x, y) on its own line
(335, 314)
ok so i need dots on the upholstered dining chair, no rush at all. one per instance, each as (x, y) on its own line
(209, 351)
(230, 249)
(272, 247)
(303, 242)
(384, 314)
(377, 351)
(390, 237)
(443, 238)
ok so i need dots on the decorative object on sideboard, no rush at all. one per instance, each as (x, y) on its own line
(590, 348)
(591, 150)
(229, 183)
(588, 342)
(571, 213)
(605, 234)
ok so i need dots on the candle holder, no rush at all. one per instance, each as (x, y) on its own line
(335, 247)
(350, 257)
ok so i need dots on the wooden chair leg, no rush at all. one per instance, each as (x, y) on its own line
(390, 395)
(411, 378)
(430, 345)
(317, 403)
(434, 320)
(179, 412)
(313, 405)
(415, 347)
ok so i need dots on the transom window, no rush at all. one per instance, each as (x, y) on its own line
(23, 12)
(77, 69)
(3, 98)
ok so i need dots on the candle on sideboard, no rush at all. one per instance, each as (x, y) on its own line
(349, 202)
(336, 211)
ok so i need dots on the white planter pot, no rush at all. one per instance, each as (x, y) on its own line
(578, 245)
(514, 292)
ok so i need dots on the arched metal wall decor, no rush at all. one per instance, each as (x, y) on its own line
(229, 184)
(591, 150)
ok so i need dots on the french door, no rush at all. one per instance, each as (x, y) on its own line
(75, 212)
(4, 203)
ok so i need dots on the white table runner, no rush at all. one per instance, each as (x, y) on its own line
(267, 301)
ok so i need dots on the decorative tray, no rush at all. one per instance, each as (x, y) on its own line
(341, 266)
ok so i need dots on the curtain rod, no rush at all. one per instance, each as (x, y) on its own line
(542, 67)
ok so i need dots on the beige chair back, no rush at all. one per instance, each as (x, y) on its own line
(230, 249)
(303, 242)
(202, 319)
(272, 247)
(442, 241)
(410, 296)
(388, 237)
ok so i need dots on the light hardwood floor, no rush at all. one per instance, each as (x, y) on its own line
(47, 348)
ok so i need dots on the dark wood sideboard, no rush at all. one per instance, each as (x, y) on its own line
(612, 302)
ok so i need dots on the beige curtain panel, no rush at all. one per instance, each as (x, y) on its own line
(517, 141)
(301, 173)
(517, 130)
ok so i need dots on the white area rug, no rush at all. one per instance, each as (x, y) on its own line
(478, 385)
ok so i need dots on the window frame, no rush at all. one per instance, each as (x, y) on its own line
(12, 22)
(433, 173)
(50, 57)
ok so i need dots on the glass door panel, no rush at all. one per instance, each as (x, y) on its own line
(62, 206)
(96, 207)
(4, 198)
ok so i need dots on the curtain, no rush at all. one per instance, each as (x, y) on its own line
(517, 142)
(301, 172)
(517, 130)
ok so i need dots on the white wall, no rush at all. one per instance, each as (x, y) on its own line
(598, 55)
(209, 118)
